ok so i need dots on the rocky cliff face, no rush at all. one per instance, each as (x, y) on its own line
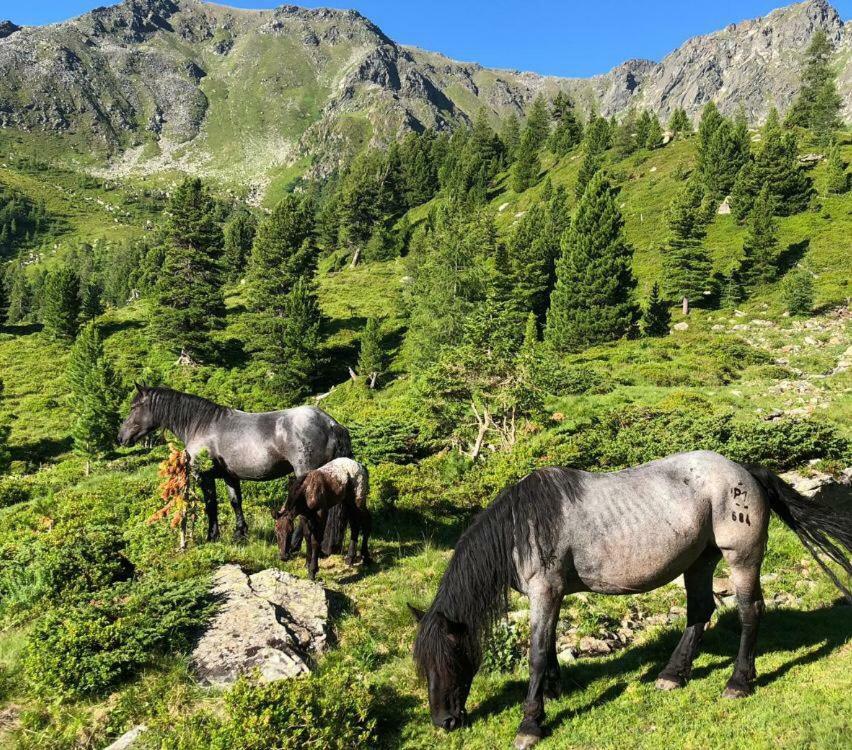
(162, 83)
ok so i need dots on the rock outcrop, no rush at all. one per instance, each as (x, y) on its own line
(271, 622)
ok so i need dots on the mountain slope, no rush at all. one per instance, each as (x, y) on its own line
(155, 84)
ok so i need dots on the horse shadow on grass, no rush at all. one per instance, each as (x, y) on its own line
(782, 631)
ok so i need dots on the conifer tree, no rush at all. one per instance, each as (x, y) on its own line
(560, 106)
(598, 135)
(656, 316)
(189, 302)
(625, 138)
(818, 106)
(836, 179)
(567, 133)
(19, 301)
(4, 299)
(761, 243)
(511, 137)
(538, 123)
(722, 159)
(418, 168)
(654, 134)
(589, 167)
(732, 292)
(798, 291)
(382, 245)
(93, 395)
(371, 357)
(679, 123)
(593, 297)
(527, 167)
(90, 300)
(291, 342)
(238, 239)
(282, 253)
(686, 265)
(707, 126)
(372, 190)
(775, 166)
(60, 310)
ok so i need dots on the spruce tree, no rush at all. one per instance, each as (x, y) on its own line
(371, 357)
(593, 297)
(511, 137)
(686, 265)
(836, 179)
(761, 243)
(291, 343)
(625, 139)
(567, 133)
(527, 167)
(798, 291)
(818, 105)
(19, 302)
(538, 123)
(90, 300)
(707, 126)
(189, 301)
(722, 159)
(282, 253)
(732, 292)
(238, 239)
(598, 135)
(589, 167)
(656, 316)
(383, 244)
(679, 123)
(418, 168)
(60, 309)
(93, 395)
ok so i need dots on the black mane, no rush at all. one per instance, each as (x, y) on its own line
(474, 589)
(183, 412)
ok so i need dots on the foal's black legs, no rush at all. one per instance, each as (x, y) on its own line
(545, 601)
(746, 581)
(354, 528)
(698, 579)
(235, 495)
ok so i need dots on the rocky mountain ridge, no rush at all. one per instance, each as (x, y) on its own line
(156, 84)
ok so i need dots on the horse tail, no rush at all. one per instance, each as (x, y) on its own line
(342, 442)
(820, 528)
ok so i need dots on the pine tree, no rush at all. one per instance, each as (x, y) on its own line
(567, 133)
(836, 179)
(90, 300)
(60, 310)
(538, 123)
(656, 316)
(418, 168)
(511, 137)
(283, 252)
(291, 342)
(723, 157)
(798, 291)
(372, 190)
(761, 243)
(238, 239)
(382, 245)
(818, 105)
(93, 395)
(4, 299)
(189, 302)
(20, 296)
(679, 123)
(733, 291)
(527, 167)
(686, 265)
(372, 355)
(532, 254)
(589, 167)
(654, 134)
(775, 166)
(625, 139)
(593, 297)
(707, 126)
(560, 106)
(598, 136)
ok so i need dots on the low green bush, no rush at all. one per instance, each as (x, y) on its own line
(385, 440)
(88, 645)
(13, 490)
(506, 646)
(331, 710)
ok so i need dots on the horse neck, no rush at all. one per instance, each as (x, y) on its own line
(176, 421)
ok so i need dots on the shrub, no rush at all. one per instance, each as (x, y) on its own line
(785, 444)
(384, 440)
(506, 647)
(331, 710)
(798, 292)
(86, 646)
(13, 490)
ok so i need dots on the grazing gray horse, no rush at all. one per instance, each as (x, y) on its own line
(258, 447)
(560, 531)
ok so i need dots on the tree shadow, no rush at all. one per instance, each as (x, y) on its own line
(108, 329)
(791, 255)
(232, 353)
(782, 631)
(21, 329)
(39, 451)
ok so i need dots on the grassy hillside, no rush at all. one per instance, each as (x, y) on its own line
(60, 528)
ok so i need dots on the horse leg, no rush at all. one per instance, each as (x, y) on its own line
(235, 495)
(211, 505)
(745, 576)
(366, 527)
(545, 600)
(698, 579)
(553, 676)
(317, 528)
(354, 527)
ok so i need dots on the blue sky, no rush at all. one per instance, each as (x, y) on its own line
(547, 36)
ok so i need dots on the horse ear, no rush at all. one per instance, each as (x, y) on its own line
(417, 613)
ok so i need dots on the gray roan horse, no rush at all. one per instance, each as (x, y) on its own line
(559, 531)
(258, 447)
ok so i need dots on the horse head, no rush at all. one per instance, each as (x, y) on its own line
(284, 523)
(141, 420)
(443, 655)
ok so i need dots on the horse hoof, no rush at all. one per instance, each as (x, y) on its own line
(668, 683)
(736, 691)
(524, 741)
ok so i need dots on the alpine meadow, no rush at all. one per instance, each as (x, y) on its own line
(352, 396)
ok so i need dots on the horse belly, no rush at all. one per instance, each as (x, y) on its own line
(637, 557)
